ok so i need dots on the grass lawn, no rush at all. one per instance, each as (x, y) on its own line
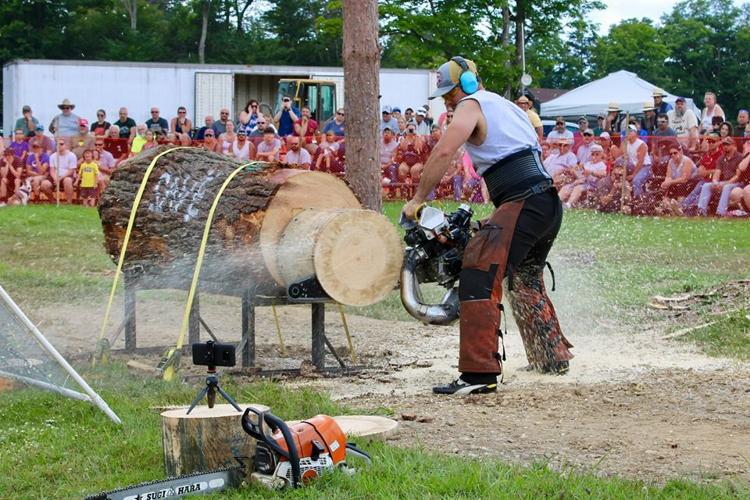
(51, 447)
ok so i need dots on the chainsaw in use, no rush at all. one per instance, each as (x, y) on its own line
(436, 243)
(294, 455)
(285, 456)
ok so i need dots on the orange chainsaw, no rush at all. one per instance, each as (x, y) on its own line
(294, 455)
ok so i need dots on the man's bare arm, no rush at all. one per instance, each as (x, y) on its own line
(465, 119)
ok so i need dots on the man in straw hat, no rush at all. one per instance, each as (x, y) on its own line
(659, 103)
(524, 103)
(66, 123)
(648, 122)
(514, 242)
(612, 123)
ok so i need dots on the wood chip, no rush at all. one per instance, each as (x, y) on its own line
(409, 417)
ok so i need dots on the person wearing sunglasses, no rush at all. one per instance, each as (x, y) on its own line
(592, 170)
(106, 162)
(66, 123)
(101, 125)
(336, 125)
(181, 125)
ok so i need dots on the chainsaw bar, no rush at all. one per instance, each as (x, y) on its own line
(201, 483)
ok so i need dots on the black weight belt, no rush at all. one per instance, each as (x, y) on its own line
(517, 177)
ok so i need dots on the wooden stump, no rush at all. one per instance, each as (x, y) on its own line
(207, 439)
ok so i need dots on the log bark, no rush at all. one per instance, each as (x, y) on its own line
(361, 88)
(243, 251)
(206, 439)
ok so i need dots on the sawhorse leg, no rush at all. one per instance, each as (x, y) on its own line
(194, 322)
(129, 320)
(318, 335)
(248, 331)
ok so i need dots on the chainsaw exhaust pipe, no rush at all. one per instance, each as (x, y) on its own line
(444, 313)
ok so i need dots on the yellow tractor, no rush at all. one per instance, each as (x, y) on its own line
(318, 95)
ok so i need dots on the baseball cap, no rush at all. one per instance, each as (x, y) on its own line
(421, 112)
(633, 128)
(680, 99)
(26, 108)
(588, 131)
(597, 147)
(727, 140)
(388, 129)
(386, 109)
(448, 75)
(39, 128)
(396, 109)
(583, 119)
(604, 135)
(83, 122)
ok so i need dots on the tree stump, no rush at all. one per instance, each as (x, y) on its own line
(243, 251)
(206, 439)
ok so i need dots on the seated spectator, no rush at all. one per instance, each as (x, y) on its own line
(46, 143)
(19, 145)
(676, 185)
(706, 169)
(220, 125)
(711, 110)
(209, 124)
(614, 123)
(181, 125)
(100, 127)
(659, 103)
(636, 152)
(583, 154)
(743, 120)
(305, 126)
(83, 140)
(63, 168)
(261, 127)
(738, 181)
(268, 149)
(388, 120)
(725, 130)
(662, 133)
(37, 168)
(66, 123)
(409, 156)
(210, 143)
(546, 150)
(524, 103)
(156, 124)
(561, 163)
(117, 147)
(648, 122)
(173, 140)
(327, 155)
(139, 140)
(449, 119)
(27, 123)
(422, 127)
(402, 124)
(150, 140)
(286, 116)
(243, 123)
(252, 113)
(227, 138)
(388, 166)
(583, 124)
(336, 125)
(740, 195)
(614, 192)
(88, 172)
(559, 133)
(243, 149)
(587, 179)
(312, 148)
(599, 125)
(125, 124)
(685, 124)
(297, 155)
(106, 162)
(11, 174)
(726, 169)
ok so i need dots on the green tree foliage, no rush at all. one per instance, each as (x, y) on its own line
(632, 45)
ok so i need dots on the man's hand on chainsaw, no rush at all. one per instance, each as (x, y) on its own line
(411, 209)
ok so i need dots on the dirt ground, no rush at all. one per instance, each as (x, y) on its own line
(633, 405)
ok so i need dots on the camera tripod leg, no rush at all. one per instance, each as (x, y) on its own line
(228, 398)
(197, 399)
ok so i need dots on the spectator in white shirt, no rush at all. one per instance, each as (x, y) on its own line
(296, 155)
(63, 166)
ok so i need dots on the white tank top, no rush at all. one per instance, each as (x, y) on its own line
(633, 152)
(241, 153)
(508, 131)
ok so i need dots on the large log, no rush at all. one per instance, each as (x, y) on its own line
(250, 241)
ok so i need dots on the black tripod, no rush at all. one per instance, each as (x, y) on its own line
(212, 385)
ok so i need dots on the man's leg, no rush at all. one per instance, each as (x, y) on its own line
(707, 190)
(547, 349)
(690, 203)
(726, 190)
(639, 181)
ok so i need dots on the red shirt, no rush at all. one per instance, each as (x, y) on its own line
(312, 126)
(117, 147)
(708, 160)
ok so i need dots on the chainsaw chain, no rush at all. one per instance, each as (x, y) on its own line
(103, 495)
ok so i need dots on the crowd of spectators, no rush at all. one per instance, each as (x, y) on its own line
(664, 160)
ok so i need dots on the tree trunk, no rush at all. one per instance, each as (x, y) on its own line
(361, 89)
(520, 33)
(132, 7)
(261, 238)
(206, 439)
(204, 32)
(505, 41)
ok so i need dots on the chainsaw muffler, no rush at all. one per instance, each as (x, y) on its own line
(444, 313)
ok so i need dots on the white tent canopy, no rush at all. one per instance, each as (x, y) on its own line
(593, 98)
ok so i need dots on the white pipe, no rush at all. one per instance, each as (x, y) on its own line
(95, 399)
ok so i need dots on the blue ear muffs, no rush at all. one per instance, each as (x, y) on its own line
(468, 79)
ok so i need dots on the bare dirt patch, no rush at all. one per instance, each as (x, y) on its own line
(633, 404)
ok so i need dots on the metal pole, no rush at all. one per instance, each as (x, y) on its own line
(318, 335)
(99, 402)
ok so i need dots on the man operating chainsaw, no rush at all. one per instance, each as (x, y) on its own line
(513, 242)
